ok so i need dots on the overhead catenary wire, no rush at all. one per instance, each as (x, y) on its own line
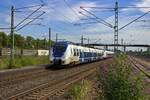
(134, 7)
(28, 16)
(21, 11)
(5, 28)
(27, 7)
(69, 20)
(42, 2)
(98, 7)
(116, 16)
(65, 17)
(142, 20)
(86, 23)
(88, 18)
(101, 20)
(41, 18)
(72, 9)
(30, 21)
(97, 19)
(134, 20)
(61, 14)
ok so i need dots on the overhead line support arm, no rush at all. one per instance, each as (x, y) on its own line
(30, 22)
(95, 19)
(28, 7)
(134, 20)
(28, 16)
(105, 23)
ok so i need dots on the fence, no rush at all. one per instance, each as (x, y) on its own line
(26, 52)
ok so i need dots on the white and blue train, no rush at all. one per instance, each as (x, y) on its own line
(67, 53)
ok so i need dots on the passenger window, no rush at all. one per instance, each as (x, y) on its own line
(74, 52)
(78, 52)
(71, 50)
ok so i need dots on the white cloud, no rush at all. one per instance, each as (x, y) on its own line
(65, 13)
(133, 33)
(144, 3)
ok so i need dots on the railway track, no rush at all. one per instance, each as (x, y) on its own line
(44, 84)
(16, 73)
(50, 89)
(22, 76)
(21, 84)
(140, 66)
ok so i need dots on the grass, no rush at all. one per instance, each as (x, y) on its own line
(80, 91)
(119, 82)
(22, 61)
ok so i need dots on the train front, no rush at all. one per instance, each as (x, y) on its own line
(58, 53)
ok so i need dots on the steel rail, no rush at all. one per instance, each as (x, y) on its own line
(139, 66)
(52, 87)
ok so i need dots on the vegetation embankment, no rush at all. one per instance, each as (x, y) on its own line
(21, 61)
(80, 91)
(117, 81)
(144, 54)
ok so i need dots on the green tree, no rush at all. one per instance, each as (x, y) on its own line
(19, 41)
(3, 39)
(29, 42)
(22, 42)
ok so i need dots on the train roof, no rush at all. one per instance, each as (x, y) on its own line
(64, 42)
(71, 43)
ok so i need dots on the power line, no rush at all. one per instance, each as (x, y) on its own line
(21, 11)
(134, 20)
(30, 22)
(97, 19)
(42, 2)
(104, 10)
(5, 28)
(85, 23)
(66, 18)
(61, 14)
(134, 7)
(116, 8)
(27, 7)
(104, 22)
(28, 16)
(72, 9)
(142, 20)
(98, 7)
(90, 17)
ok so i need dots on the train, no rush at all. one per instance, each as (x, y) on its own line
(68, 53)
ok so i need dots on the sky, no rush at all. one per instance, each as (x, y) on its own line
(63, 17)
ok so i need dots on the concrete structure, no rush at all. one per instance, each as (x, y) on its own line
(43, 52)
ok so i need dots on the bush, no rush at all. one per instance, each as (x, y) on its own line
(120, 83)
(80, 91)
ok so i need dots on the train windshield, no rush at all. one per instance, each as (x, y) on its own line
(59, 49)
